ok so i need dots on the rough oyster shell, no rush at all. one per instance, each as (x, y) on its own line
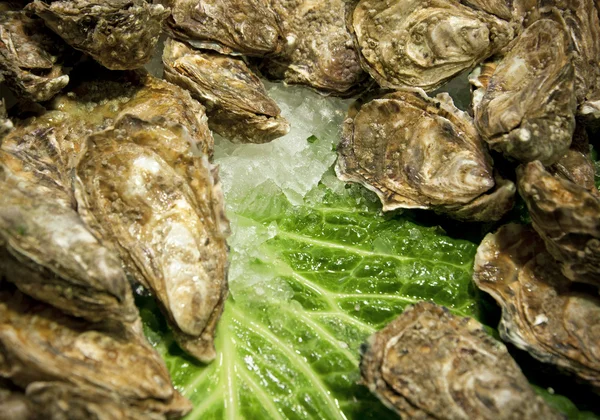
(45, 248)
(527, 111)
(14, 405)
(39, 343)
(166, 214)
(228, 26)
(567, 217)
(583, 25)
(236, 101)
(415, 365)
(423, 44)
(576, 165)
(56, 400)
(319, 51)
(31, 57)
(119, 34)
(541, 312)
(418, 152)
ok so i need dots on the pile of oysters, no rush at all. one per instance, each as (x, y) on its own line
(106, 184)
(535, 77)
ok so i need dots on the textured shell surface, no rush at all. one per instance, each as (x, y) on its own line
(424, 44)
(237, 104)
(419, 152)
(527, 111)
(542, 312)
(416, 366)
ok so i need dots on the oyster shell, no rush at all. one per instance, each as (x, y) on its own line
(576, 165)
(415, 365)
(541, 311)
(319, 51)
(6, 124)
(45, 247)
(39, 343)
(236, 101)
(583, 24)
(418, 152)
(119, 34)
(527, 111)
(32, 58)
(14, 405)
(228, 26)
(567, 217)
(56, 400)
(424, 44)
(166, 214)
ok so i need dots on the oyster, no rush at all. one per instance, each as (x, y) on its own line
(39, 343)
(583, 24)
(14, 405)
(45, 248)
(542, 312)
(32, 58)
(319, 51)
(415, 366)
(228, 26)
(424, 44)
(119, 34)
(166, 214)
(527, 111)
(418, 152)
(567, 217)
(236, 101)
(576, 165)
(56, 400)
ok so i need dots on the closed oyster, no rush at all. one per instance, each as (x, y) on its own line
(166, 214)
(567, 217)
(583, 24)
(416, 366)
(527, 111)
(119, 34)
(56, 400)
(418, 152)
(424, 44)
(542, 312)
(576, 165)
(319, 51)
(39, 343)
(99, 101)
(45, 247)
(14, 405)
(236, 101)
(32, 58)
(228, 26)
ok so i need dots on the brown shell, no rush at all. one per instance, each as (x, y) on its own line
(31, 57)
(418, 152)
(541, 312)
(45, 247)
(576, 165)
(247, 27)
(166, 214)
(236, 101)
(567, 217)
(39, 343)
(319, 51)
(430, 364)
(527, 111)
(56, 400)
(119, 34)
(424, 44)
